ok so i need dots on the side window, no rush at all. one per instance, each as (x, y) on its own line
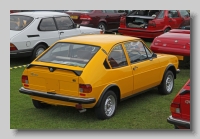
(161, 14)
(136, 51)
(47, 24)
(173, 14)
(184, 13)
(117, 57)
(64, 23)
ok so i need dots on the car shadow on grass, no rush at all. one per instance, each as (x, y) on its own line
(19, 61)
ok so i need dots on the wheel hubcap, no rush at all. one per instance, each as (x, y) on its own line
(109, 105)
(102, 27)
(39, 51)
(169, 83)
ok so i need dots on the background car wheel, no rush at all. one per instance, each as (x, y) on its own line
(39, 105)
(102, 26)
(167, 84)
(38, 50)
(107, 106)
(166, 30)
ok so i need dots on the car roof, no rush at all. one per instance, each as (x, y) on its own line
(37, 14)
(106, 41)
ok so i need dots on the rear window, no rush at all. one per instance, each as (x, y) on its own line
(70, 54)
(19, 22)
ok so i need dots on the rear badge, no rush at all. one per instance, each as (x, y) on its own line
(51, 69)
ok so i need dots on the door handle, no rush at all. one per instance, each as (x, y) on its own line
(107, 15)
(170, 20)
(134, 68)
(61, 32)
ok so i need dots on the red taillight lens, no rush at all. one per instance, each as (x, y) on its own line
(152, 23)
(175, 108)
(25, 80)
(13, 47)
(85, 88)
(122, 20)
(85, 17)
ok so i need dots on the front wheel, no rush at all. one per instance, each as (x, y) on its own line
(107, 106)
(167, 84)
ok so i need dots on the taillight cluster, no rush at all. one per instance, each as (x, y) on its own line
(175, 108)
(25, 80)
(122, 20)
(85, 88)
(85, 17)
(13, 47)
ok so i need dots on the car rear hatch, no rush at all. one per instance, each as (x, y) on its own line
(140, 19)
(185, 101)
(79, 15)
(51, 79)
(173, 40)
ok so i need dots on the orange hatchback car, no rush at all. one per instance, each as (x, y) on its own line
(97, 71)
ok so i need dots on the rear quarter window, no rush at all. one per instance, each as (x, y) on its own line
(19, 22)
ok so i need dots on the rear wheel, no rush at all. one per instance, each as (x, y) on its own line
(38, 50)
(102, 26)
(107, 106)
(167, 84)
(166, 30)
(39, 105)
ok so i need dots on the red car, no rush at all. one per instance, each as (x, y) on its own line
(176, 42)
(180, 108)
(152, 23)
(107, 20)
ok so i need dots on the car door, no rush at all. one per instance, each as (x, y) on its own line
(120, 72)
(66, 27)
(112, 18)
(145, 67)
(186, 17)
(175, 20)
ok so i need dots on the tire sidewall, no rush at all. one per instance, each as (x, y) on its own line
(101, 23)
(35, 50)
(100, 111)
(164, 83)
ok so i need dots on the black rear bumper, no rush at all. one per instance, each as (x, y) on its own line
(178, 122)
(57, 97)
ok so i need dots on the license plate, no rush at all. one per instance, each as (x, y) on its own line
(74, 17)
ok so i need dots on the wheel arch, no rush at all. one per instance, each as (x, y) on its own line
(112, 87)
(172, 68)
(42, 43)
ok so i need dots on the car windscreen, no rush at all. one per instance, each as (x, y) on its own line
(70, 54)
(19, 22)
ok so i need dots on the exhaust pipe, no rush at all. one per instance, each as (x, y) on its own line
(80, 108)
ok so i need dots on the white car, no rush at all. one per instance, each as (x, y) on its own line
(33, 32)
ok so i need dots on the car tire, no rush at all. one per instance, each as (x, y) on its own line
(107, 106)
(167, 84)
(39, 105)
(38, 50)
(166, 30)
(102, 26)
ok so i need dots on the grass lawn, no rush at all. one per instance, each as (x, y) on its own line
(146, 111)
